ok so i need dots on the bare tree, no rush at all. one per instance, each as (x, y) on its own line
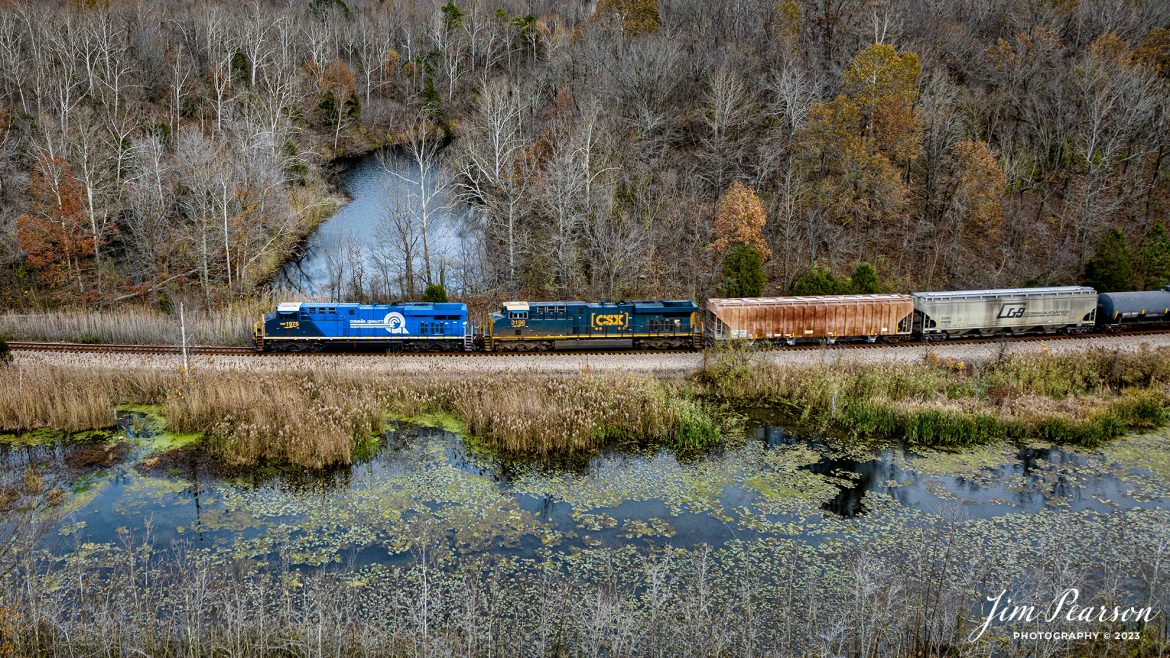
(494, 167)
(727, 110)
(396, 246)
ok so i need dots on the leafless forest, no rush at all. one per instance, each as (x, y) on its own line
(181, 149)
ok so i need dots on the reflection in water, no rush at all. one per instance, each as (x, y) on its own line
(777, 484)
(856, 480)
(365, 244)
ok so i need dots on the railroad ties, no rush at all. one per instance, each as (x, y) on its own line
(213, 350)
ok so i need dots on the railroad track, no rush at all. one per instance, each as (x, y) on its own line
(111, 348)
(214, 350)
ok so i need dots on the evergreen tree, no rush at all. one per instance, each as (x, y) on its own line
(819, 281)
(435, 293)
(864, 280)
(1153, 261)
(743, 272)
(452, 16)
(1111, 268)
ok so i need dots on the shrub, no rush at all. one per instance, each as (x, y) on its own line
(435, 293)
(743, 272)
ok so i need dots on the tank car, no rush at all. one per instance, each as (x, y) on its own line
(532, 326)
(1011, 311)
(410, 327)
(1117, 309)
(826, 318)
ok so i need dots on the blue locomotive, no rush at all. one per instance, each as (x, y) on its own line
(529, 326)
(411, 327)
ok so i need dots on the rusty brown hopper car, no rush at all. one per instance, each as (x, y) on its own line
(795, 319)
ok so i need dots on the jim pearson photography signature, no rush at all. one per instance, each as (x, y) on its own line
(1063, 608)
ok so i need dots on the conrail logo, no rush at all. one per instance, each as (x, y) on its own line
(609, 321)
(1012, 311)
(393, 323)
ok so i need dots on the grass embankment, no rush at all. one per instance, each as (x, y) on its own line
(318, 419)
(137, 325)
(1080, 399)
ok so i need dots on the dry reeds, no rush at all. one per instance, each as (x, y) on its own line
(1082, 399)
(566, 416)
(317, 419)
(146, 325)
(305, 421)
(74, 399)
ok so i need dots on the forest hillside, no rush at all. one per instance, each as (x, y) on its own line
(617, 148)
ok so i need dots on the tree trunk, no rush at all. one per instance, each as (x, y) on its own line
(227, 254)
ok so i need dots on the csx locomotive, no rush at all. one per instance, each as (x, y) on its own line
(675, 324)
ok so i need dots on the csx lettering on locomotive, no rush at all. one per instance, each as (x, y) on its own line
(610, 321)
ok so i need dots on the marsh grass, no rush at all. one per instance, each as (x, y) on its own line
(1082, 399)
(74, 399)
(143, 325)
(307, 421)
(318, 419)
(583, 415)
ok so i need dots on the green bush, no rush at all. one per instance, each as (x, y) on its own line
(1111, 267)
(435, 293)
(864, 280)
(819, 281)
(743, 272)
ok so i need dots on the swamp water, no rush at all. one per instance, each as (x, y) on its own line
(358, 237)
(773, 487)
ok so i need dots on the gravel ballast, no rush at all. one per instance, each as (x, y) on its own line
(666, 364)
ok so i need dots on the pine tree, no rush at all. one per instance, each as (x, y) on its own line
(819, 281)
(1153, 261)
(743, 272)
(1111, 268)
(435, 293)
(864, 280)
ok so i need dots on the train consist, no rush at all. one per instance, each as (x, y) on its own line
(682, 324)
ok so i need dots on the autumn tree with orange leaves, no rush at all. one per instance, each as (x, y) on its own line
(855, 148)
(53, 233)
(338, 100)
(740, 219)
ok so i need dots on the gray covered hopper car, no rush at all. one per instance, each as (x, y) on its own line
(1119, 308)
(795, 319)
(1070, 309)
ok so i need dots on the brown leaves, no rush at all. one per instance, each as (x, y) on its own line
(338, 79)
(856, 146)
(637, 16)
(740, 219)
(54, 233)
(980, 187)
(884, 85)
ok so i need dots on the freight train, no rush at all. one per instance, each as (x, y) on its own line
(682, 324)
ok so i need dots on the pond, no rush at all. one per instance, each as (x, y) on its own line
(775, 485)
(361, 243)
